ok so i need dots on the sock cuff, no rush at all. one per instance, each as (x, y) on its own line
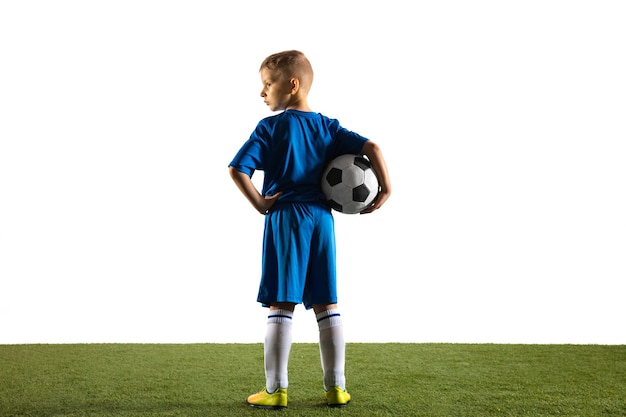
(329, 318)
(280, 316)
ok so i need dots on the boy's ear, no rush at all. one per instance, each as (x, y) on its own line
(295, 85)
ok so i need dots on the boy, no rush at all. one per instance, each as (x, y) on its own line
(292, 149)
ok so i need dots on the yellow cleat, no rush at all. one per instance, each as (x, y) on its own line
(337, 397)
(274, 401)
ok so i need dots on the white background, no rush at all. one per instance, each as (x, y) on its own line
(503, 125)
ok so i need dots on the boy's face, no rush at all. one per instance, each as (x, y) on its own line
(277, 91)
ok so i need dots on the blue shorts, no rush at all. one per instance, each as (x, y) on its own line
(299, 257)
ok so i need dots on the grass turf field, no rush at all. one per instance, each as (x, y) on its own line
(399, 380)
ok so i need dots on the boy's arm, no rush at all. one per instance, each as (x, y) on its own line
(375, 155)
(245, 185)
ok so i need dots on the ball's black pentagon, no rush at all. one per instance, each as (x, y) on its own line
(360, 193)
(335, 205)
(334, 176)
(362, 163)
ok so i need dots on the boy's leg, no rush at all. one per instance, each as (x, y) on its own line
(332, 353)
(276, 352)
(277, 346)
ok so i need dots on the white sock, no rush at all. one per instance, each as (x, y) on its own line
(332, 348)
(277, 347)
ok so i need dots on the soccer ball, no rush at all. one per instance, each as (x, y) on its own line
(349, 183)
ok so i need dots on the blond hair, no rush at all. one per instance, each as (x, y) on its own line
(290, 64)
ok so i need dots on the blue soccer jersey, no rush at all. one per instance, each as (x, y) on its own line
(292, 148)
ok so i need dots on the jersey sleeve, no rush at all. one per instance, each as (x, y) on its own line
(346, 141)
(251, 156)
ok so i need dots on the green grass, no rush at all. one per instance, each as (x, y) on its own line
(398, 380)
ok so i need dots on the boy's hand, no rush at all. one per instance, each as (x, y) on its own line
(268, 202)
(377, 203)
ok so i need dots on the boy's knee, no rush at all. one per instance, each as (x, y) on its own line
(318, 308)
(283, 306)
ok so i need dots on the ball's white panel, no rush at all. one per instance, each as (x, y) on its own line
(352, 176)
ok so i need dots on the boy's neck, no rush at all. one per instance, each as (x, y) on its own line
(300, 105)
(302, 109)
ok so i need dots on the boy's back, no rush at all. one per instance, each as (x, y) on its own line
(293, 148)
